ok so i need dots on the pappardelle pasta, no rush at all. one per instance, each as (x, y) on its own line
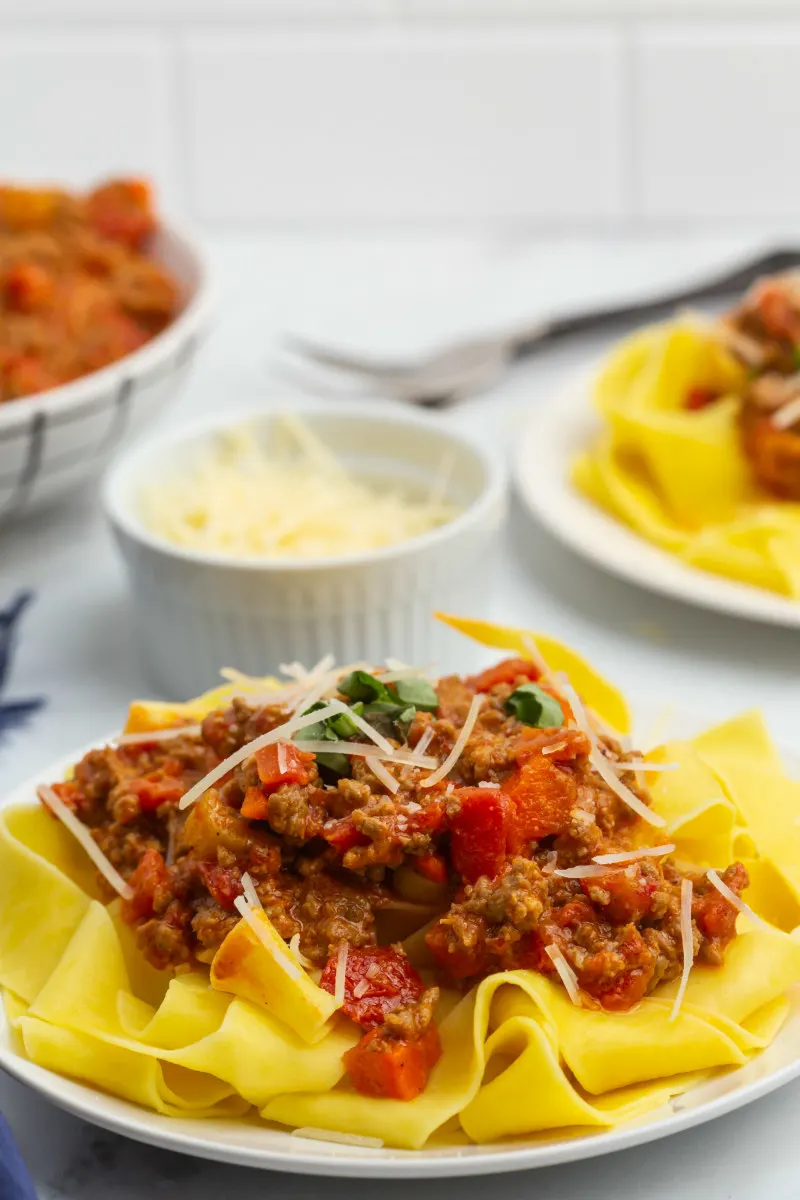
(398, 909)
(699, 450)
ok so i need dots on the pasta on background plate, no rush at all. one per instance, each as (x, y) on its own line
(404, 910)
(699, 450)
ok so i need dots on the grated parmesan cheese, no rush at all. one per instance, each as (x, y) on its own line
(363, 750)
(458, 748)
(294, 946)
(249, 914)
(423, 743)
(83, 835)
(283, 732)
(341, 973)
(566, 973)
(385, 777)
(333, 1135)
(737, 902)
(626, 856)
(687, 943)
(292, 500)
(590, 871)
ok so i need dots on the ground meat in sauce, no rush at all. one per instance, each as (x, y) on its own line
(324, 854)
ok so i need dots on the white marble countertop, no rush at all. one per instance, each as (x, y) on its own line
(398, 292)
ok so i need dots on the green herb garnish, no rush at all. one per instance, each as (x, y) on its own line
(418, 692)
(533, 706)
(359, 685)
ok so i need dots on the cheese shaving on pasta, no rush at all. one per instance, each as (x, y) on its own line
(341, 973)
(458, 748)
(292, 499)
(379, 771)
(250, 915)
(566, 973)
(737, 902)
(81, 834)
(687, 943)
(626, 856)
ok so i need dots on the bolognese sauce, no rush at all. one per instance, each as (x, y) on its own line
(494, 860)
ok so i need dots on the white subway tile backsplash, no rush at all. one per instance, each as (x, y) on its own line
(515, 125)
(78, 107)
(717, 113)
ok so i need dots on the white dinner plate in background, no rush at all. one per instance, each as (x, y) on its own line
(558, 429)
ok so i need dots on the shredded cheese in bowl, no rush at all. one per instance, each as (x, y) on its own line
(294, 499)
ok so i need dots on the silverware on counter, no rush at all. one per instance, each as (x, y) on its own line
(465, 368)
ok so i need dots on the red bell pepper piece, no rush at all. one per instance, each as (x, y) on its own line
(507, 671)
(281, 763)
(432, 867)
(377, 979)
(479, 832)
(542, 795)
(393, 1068)
(151, 874)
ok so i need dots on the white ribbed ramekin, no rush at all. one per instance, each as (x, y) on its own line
(196, 612)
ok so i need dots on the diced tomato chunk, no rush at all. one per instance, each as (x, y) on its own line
(393, 1068)
(280, 763)
(151, 874)
(459, 960)
(28, 287)
(122, 210)
(343, 835)
(223, 884)
(377, 979)
(432, 867)
(698, 398)
(716, 916)
(256, 805)
(507, 671)
(68, 793)
(156, 789)
(630, 895)
(542, 796)
(479, 832)
(627, 990)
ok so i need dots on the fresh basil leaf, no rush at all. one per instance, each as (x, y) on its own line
(337, 764)
(359, 685)
(342, 725)
(531, 705)
(418, 692)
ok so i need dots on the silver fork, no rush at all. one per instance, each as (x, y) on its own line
(449, 375)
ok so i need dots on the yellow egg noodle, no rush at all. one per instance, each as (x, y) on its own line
(518, 1055)
(681, 478)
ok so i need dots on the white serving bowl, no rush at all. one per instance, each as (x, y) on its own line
(55, 441)
(196, 612)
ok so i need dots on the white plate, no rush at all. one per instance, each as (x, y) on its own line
(556, 432)
(252, 1143)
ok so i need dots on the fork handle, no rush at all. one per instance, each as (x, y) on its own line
(528, 341)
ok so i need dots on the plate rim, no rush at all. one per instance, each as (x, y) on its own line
(564, 422)
(130, 1120)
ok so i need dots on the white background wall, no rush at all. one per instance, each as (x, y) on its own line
(541, 114)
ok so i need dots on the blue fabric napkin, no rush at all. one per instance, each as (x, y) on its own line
(15, 1182)
(13, 713)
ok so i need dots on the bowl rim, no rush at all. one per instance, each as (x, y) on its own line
(118, 513)
(196, 310)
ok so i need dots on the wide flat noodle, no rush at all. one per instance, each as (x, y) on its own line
(624, 1066)
(518, 1057)
(680, 478)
